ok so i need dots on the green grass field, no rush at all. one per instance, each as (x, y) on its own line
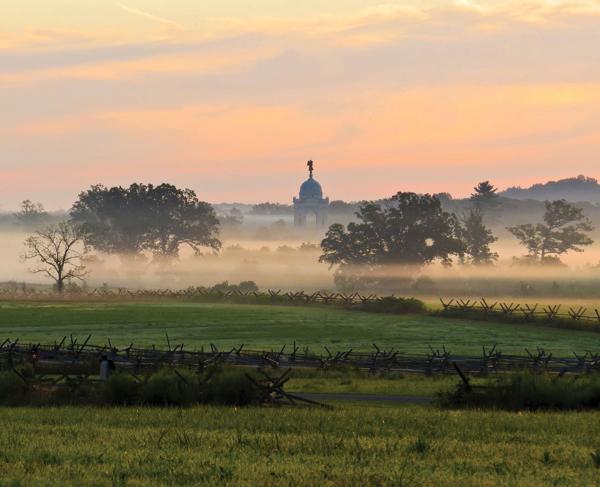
(409, 385)
(350, 446)
(272, 326)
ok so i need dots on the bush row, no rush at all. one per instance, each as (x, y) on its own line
(392, 305)
(527, 390)
(165, 387)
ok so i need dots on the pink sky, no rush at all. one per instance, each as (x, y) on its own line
(426, 95)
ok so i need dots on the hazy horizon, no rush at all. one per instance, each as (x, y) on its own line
(231, 101)
(5, 210)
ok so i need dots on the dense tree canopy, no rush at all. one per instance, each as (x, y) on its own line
(408, 229)
(564, 229)
(178, 218)
(145, 217)
(477, 239)
(115, 220)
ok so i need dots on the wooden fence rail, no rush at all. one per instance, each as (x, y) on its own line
(74, 356)
(527, 312)
(270, 294)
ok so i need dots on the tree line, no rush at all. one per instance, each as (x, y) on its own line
(407, 229)
(413, 230)
(143, 217)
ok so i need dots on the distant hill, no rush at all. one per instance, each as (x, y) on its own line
(581, 188)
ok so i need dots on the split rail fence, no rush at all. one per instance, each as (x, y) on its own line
(71, 356)
(527, 312)
(273, 295)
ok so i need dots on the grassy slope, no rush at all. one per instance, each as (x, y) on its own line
(273, 326)
(412, 385)
(348, 446)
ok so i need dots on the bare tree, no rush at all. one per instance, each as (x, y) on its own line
(58, 250)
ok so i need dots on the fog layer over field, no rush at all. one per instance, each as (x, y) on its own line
(272, 264)
(292, 264)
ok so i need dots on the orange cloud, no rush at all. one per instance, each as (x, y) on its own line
(413, 90)
(223, 62)
(432, 126)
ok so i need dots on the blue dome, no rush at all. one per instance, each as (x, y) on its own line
(311, 189)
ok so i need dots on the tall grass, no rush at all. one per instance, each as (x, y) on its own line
(349, 446)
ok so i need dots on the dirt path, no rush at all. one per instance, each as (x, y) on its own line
(357, 397)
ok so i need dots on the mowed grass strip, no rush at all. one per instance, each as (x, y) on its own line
(349, 446)
(409, 385)
(263, 326)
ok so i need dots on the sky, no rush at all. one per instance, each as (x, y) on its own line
(231, 98)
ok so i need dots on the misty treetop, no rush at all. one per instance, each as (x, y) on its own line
(143, 217)
(31, 215)
(484, 197)
(408, 229)
(477, 239)
(564, 229)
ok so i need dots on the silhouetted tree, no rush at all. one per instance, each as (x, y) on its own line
(58, 251)
(409, 229)
(115, 220)
(477, 239)
(179, 218)
(484, 196)
(145, 217)
(31, 214)
(564, 229)
(443, 197)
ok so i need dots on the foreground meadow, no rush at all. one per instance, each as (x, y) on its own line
(268, 326)
(350, 445)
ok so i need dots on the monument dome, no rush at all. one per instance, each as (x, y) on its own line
(311, 201)
(311, 189)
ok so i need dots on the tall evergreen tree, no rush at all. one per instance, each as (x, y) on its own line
(484, 197)
(477, 239)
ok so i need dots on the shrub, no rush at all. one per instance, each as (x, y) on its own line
(232, 387)
(530, 391)
(71, 392)
(121, 388)
(26, 370)
(165, 387)
(168, 387)
(13, 390)
(393, 305)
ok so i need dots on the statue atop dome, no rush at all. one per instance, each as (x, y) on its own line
(311, 201)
